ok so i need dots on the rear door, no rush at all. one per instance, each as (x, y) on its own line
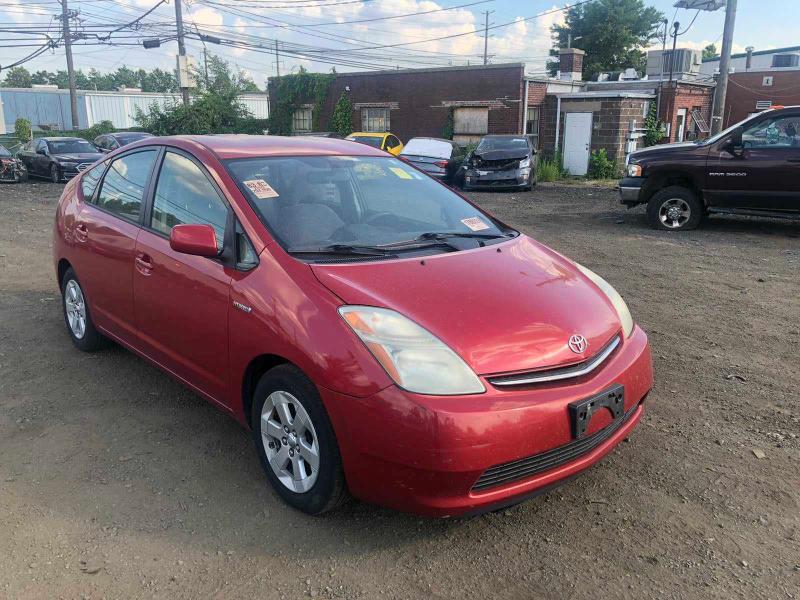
(181, 300)
(104, 235)
(766, 176)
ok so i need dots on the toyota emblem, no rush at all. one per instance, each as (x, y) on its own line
(578, 344)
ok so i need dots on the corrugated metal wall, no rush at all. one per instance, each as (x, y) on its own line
(51, 107)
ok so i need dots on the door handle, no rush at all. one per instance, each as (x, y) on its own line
(81, 232)
(144, 264)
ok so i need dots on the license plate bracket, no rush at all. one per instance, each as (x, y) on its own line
(581, 411)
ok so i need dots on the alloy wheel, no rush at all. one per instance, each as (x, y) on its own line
(75, 308)
(674, 213)
(290, 441)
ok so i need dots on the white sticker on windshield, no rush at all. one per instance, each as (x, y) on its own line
(261, 188)
(475, 223)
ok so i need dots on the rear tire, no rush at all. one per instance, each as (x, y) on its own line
(675, 208)
(77, 317)
(295, 441)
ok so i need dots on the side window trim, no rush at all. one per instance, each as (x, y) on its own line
(138, 221)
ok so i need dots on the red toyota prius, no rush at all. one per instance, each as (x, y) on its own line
(380, 335)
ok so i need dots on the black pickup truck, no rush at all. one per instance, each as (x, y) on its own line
(751, 168)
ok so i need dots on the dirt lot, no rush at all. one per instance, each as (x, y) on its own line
(117, 482)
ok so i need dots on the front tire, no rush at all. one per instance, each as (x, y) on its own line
(55, 173)
(675, 208)
(295, 441)
(77, 317)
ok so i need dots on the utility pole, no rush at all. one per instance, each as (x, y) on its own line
(183, 67)
(724, 66)
(675, 27)
(486, 37)
(661, 76)
(277, 59)
(67, 35)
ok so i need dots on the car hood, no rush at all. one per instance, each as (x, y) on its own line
(502, 308)
(663, 149)
(80, 156)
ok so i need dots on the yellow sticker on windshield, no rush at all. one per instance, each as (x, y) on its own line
(400, 173)
(261, 189)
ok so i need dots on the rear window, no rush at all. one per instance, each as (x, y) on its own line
(373, 141)
(427, 147)
(4, 151)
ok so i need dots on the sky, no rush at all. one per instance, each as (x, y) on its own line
(320, 34)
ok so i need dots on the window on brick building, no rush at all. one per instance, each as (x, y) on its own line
(532, 125)
(375, 119)
(301, 120)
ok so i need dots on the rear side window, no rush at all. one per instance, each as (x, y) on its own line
(90, 180)
(123, 187)
(184, 195)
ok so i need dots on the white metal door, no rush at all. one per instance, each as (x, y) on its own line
(577, 139)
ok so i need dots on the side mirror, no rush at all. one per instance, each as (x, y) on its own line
(198, 240)
(41, 151)
(736, 145)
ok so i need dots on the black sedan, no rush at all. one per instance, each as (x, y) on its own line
(58, 158)
(11, 169)
(111, 141)
(501, 162)
(440, 158)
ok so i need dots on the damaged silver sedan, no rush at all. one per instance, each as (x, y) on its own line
(501, 162)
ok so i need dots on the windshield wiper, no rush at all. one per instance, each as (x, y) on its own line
(443, 235)
(343, 249)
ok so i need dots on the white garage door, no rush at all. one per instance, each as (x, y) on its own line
(577, 140)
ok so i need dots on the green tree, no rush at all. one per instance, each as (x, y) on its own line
(612, 32)
(18, 77)
(126, 77)
(710, 51)
(342, 117)
(22, 130)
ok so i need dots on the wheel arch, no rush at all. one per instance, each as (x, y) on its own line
(665, 179)
(63, 266)
(252, 374)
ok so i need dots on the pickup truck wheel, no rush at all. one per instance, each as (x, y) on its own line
(674, 208)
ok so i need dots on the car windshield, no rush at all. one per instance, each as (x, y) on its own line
(724, 132)
(4, 151)
(369, 140)
(346, 202)
(70, 146)
(491, 144)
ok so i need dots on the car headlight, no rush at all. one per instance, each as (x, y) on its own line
(634, 170)
(613, 295)
(525, 163)
(414, 358)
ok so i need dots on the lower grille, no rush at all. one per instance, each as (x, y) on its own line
(538, 463)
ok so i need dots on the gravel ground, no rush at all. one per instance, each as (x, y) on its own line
(117, 482)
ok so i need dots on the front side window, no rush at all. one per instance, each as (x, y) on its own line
(301, 120)
(776, 132)
(375, 119)
(319, 201)
(90, 179)
(184, 195)
(123, 186)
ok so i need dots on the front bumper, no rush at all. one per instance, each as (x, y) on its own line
(511, 179)
(630, 190)
(424, 454)
(12, 172)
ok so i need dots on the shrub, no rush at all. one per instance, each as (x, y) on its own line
(655, 130)
(341, 119)
(22, 130)
(548, 170)
(600, 166)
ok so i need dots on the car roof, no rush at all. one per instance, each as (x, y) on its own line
(61, 139)
(246, 146)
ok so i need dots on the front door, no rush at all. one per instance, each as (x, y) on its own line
(182, 301)
(104, 236)
(766, 176)
(577, 140)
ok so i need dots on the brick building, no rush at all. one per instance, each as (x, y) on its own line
(563, 114)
